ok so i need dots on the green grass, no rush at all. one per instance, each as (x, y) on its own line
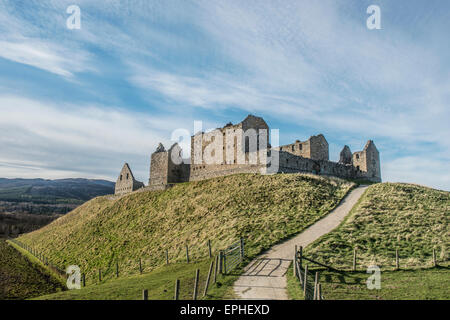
(262, 209)
(415, 284)
(293, 287)
(160, 284)
(390, 216)
(22, 278)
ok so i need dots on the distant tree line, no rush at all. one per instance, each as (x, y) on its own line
(14, 224)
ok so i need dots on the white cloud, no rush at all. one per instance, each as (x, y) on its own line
(41, 138)
(415, 169)
(45, 55)
(307, 63)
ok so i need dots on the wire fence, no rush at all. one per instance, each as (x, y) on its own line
(309, 282)
(225, 261)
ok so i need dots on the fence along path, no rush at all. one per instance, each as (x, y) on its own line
(265, 276)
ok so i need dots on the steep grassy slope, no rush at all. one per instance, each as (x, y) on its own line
(21, 279)
(160, 284)
(262, 209)
(389, 216)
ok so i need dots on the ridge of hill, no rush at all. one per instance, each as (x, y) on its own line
(60, 191)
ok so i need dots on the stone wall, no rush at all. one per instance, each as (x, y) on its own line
(168, 167)
(290, 163)
(316, 147)
(345, 156)
(126, 182)
(159, 168)
(213, 171)
(243, 148)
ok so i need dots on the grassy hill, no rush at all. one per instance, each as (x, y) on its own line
(262, 209)
(389, 216)
(22, 279)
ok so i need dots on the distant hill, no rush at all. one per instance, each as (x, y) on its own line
(28, 204)
(53, 191)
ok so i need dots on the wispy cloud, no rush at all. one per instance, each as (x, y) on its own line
(39, 136)
(309, 66)
(45, 56)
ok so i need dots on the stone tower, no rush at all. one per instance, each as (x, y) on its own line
(345, 156)
(168, 166)
(126, 182)
(368, 162)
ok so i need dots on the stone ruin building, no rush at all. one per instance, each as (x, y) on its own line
(126, 182)
(245, 148)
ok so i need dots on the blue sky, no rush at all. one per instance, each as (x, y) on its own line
(79, 103)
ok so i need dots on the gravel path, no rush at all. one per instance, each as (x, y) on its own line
(265, 277)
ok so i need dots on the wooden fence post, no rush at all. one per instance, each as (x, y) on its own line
(209, 248)
(434, 258)
(167, 256)
(220, 262)
(215, 268)
(319, 291)
(140, 265)
(224, 261)
(197, 274)
(187, 254)
(295, 261)
(354, 259)
(242, 252)
(145, 294)
(117, 269)
(177, 289)
(305, 281)
(316, 282)
(208, 278)
(397, 262)
(300, 258)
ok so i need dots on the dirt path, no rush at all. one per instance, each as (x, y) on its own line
(265, 277)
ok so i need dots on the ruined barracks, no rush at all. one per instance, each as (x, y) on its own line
(245, 148)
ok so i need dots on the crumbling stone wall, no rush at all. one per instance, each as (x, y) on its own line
(231, 151)
(168, 166)
(126, 182)
(230, 145)
(316, 147)
(159, 167)
(345, 156)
